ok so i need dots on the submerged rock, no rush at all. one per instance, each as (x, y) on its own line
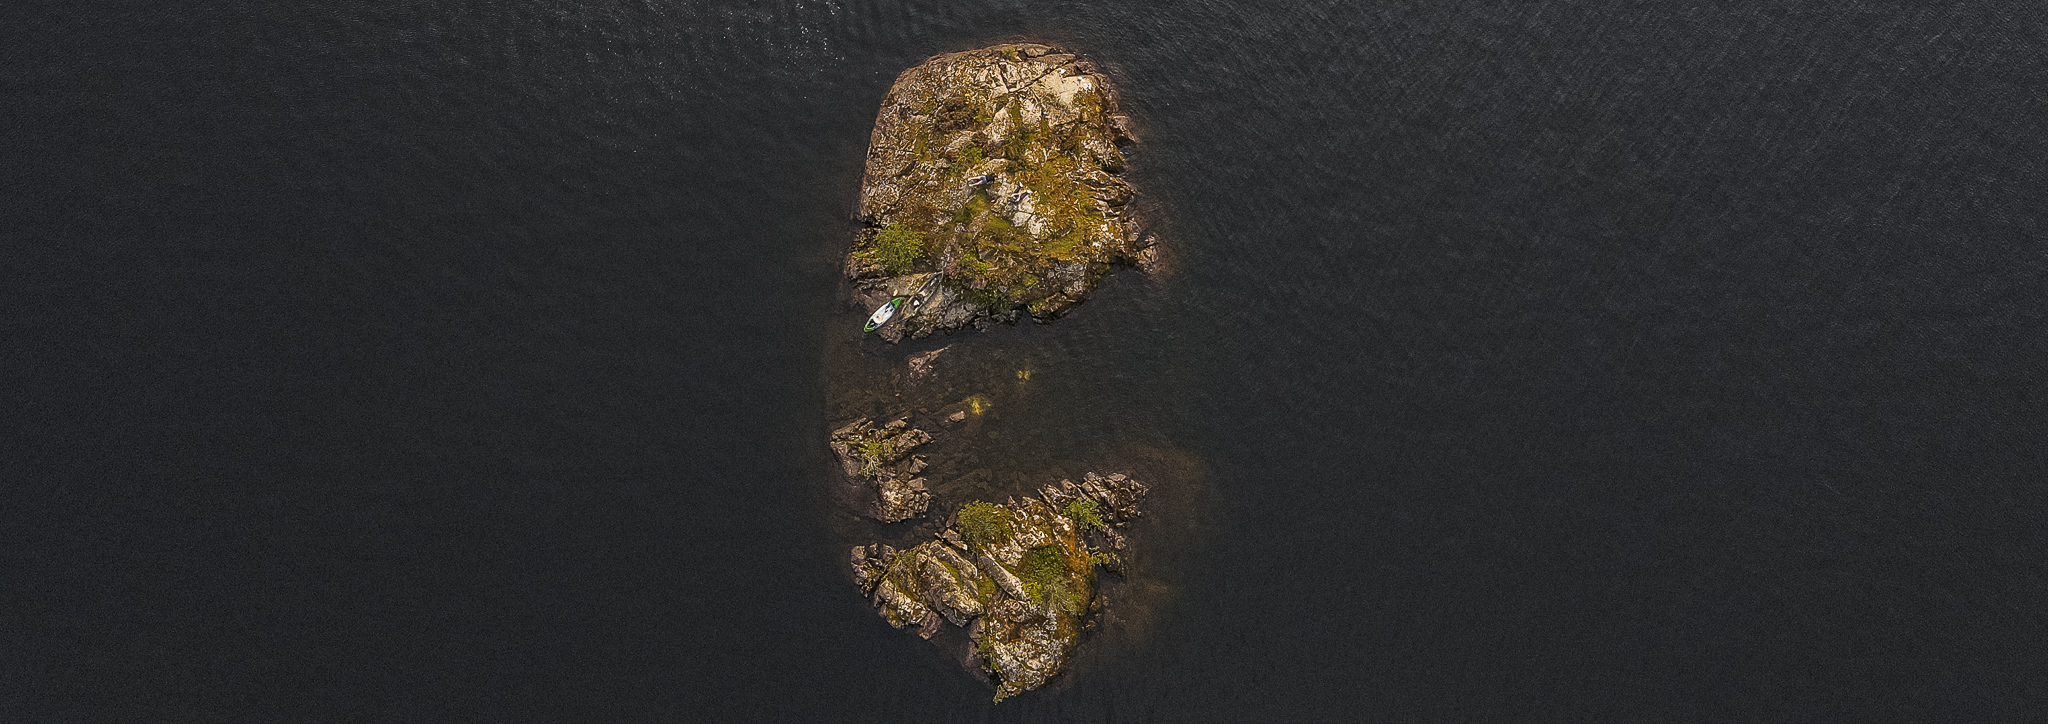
(921, 365)
(881, 457)
(992, 174)
(1020, 576)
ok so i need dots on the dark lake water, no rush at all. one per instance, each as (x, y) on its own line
(1510, 361)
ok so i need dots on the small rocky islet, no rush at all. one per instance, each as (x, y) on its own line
(992, 190)
(1020, 576)
(880, 457)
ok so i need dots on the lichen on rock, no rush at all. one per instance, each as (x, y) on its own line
(881, 457)
(994, 171)
(1020, 576)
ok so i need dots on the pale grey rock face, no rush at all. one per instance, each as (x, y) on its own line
(1024, 595)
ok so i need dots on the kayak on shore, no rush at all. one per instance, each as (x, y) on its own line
(883, 314)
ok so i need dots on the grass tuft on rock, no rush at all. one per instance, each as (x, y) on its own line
(984, 524)
(1085, 514)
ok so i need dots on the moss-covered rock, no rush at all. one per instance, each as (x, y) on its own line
(1021, 576)
(1001, 164)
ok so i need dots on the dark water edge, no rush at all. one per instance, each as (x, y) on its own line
(1545, 361)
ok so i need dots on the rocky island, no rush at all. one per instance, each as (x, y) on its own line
(992, 188)
(1020, 576)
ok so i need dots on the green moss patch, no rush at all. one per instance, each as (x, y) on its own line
(1042, 567)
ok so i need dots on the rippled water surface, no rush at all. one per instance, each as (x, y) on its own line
(1510, 361)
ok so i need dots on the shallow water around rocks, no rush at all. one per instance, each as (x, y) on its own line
(1016, 407)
